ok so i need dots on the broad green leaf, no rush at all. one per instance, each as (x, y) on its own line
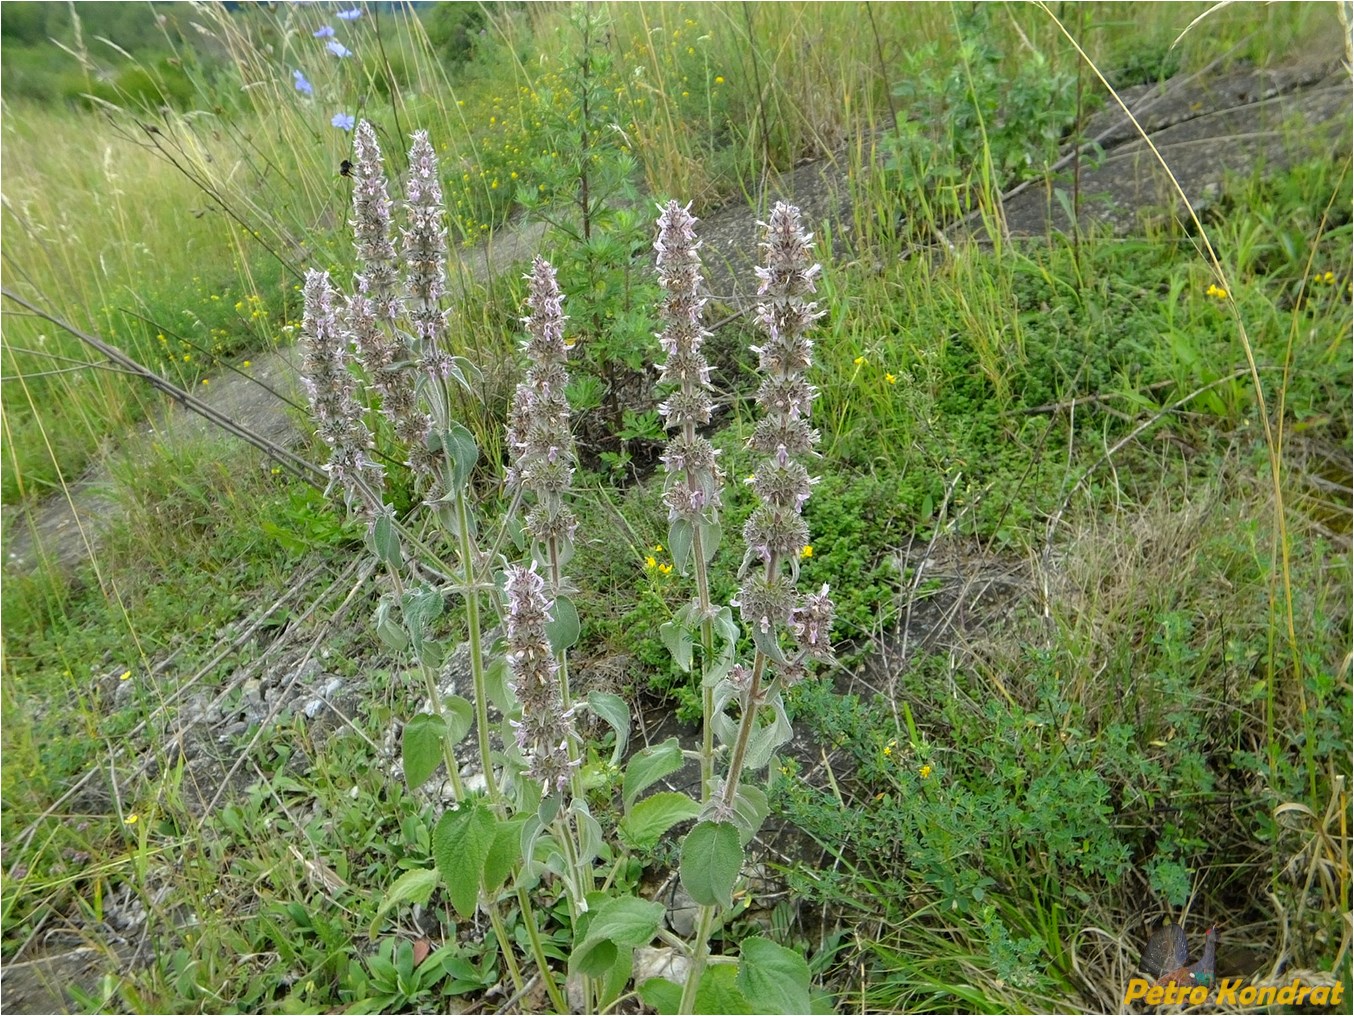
(776, 979)
(768, 737)
(422, 748)
(718, 992)
(461, 844)
(617, 978)
(750, 808)
(711, 534)
(384, 540)
(768, 642)
(414, 886)
(504, 852)
(627, 921)
(677, 638)
(661, 995)
(594, 958)
(463, 453)
(712, 856)
(620, 924)
(590, 838)
(563, 627)
(649, 766)
(496, 685)
(652, 817)
(613, 709)
(460, 716)
(388, 629)
(679, 543)
(420, 607)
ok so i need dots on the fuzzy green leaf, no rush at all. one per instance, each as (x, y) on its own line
(661, 995)
(677, 638)
(461, 844)
(652, 817)
(414, 886)
(718, 992)
(776, 978)
(504, 852)
(460, 716)
(614, 710)
(563, 627)
(622, 923)
(712, 857)
(649, 766)
(422, 748)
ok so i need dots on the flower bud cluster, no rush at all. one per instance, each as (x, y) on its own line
(692, 491)
(333, 400)
(776, 532)
(538, 420)
(375, 306)
(545, 728)
(425, 258)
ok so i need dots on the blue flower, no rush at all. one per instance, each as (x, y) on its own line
(302, 85)
(338, 48)
(324, 32)
(349, 15)
(343, 121)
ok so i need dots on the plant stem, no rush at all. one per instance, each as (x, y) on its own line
(745, 726)
(434, 696)
(700, 954)
(707, 657)
(538, 953)
(472, 616)
(504, 945)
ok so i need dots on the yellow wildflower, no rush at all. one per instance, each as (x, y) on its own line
(859, 361)
(665, 569)
(719, 79)
(807, 551)
(125, 675)
(249, 363)
(650, 562)
(890, 378)
(925, 772)
(1216, 291)
(132, 819)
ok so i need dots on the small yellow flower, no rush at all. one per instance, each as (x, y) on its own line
(125, 675)
(204, 381)
(859, 361)
(888, 749)
(132, 819)
(890, 378)
(1328, 278)
(658, 548)
(925, 772)
(1216, 291)
(650, 562)
(249, 363)
(807, 550)
(277, 470)
(187, 357)
(719, 79)
(665, 569)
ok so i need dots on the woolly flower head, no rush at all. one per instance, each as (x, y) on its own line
(538, 419)
(545, 727)
(331, 388)
(692, 492)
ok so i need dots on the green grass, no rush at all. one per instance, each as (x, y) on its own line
(1147, 708)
